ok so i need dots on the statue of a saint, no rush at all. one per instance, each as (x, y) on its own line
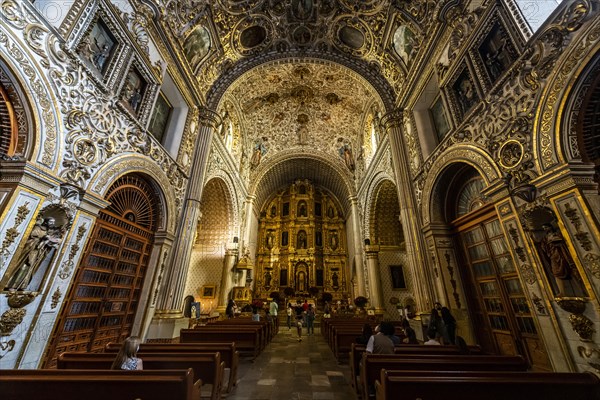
(558, 261)
(40, 245)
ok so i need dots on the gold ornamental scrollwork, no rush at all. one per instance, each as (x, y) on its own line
(15, 314)
(70, 264)
(13, 232)
(581, 324)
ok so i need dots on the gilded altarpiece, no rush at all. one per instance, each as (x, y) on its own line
(302, 243)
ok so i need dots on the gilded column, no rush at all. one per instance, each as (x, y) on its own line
(409, 212)
(226, 280)
(375, 292)
(358, 255)
(171, 300)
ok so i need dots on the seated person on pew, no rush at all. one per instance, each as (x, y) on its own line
(431, 334)
(380, 342)
(127, 359)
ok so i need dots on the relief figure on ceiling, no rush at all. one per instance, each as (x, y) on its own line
(345, 152)
(559, 264)
(39, 249)
(260, 149)
(302, 9)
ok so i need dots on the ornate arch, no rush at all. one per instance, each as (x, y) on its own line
(471, 155)
(45, 133)
(332, 175)
(370, 201)
(362, 69)
(102, 180)
(232, 195)
(551, 131)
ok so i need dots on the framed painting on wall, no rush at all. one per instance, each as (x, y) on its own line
(397, 275)
(208, 291)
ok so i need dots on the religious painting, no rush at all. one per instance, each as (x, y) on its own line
(196, 46)
(497, 52)
(208, 291)
(438, 117)
(465, 93)
(405, 44)
(160, 117)
(397, 274)
(133, 90)
(98, 47)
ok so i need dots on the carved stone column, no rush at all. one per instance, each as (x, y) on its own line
(358, 255)
(375, 292)
(409, 212)
(170, 302)
(226, 279)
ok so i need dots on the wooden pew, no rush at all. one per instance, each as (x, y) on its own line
(267, 330)
(372, 364)
(246, 341)
(52, 384)
(207, 367)
(229, 354)
(261, 331)
(475, 385)
(357, 350)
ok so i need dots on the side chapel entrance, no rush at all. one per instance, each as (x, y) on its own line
(500, 313)
(103, 298)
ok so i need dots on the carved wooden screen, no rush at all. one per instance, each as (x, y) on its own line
(103, 299)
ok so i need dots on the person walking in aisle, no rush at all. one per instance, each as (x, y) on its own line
(310, 320)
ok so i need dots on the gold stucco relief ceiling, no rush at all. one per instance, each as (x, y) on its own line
(304, 104)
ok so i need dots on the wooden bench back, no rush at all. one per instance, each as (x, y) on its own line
(372, 364)
(247, 341)
(476, 385)
(98, 385)
(357, 351)
(207, 366)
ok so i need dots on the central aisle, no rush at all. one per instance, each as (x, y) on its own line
(288, 369)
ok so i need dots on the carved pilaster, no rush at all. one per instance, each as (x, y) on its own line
(170, 301)
(375, 292)
(415, 245)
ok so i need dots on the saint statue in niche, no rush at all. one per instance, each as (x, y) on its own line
(302, 209)
(301, 240)
(270, 239)
(268, 278)
(37, 252)
(333, 240)
(335, 280)
(559, 264)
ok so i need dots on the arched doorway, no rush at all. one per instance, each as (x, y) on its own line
(102, 301)
(500, 312)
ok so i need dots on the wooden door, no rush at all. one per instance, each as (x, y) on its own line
(500, 311)
(102, 301)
